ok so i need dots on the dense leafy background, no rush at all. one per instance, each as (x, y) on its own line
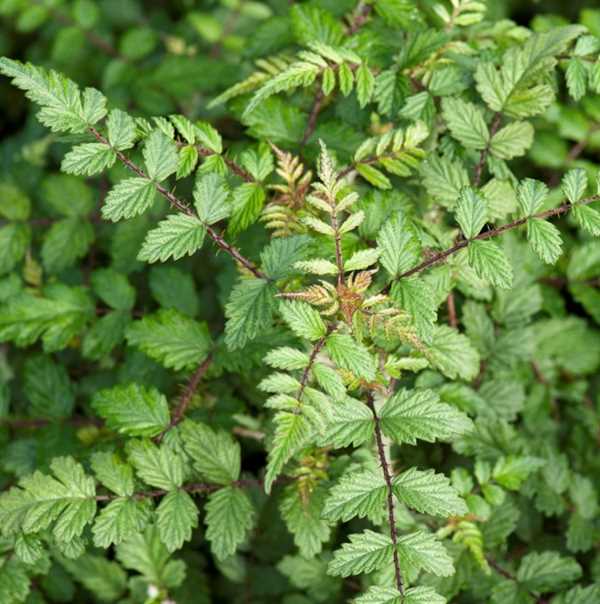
(100, 347)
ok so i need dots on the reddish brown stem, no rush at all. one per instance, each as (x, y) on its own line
(178, 204)
(452, 318)
(186, 397)
(314, 114)
(390, 493)
(435, 259)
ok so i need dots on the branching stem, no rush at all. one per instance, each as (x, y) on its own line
(181, 206)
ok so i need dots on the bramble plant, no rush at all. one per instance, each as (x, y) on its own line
(309, 314)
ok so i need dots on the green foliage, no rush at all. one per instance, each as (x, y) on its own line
(311, 313)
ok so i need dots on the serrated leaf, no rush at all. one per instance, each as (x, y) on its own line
(170, 338)
(547, 571)
(587, 218)
(129, 198)
(357, 494)
(177, 236)
(303, 320)
(229, 517)
(512, 141)
(545, 239)
(349, 354)
(214, 453)
(574, 184)
(302, 516)
(351, 423)
(248, 311)
(88, 159)
(211, 198)
(65, 242)
(466, 123)
(444, 179)
(577, 78)
(121, 130)
(157, 466)
(531, 196)
(490, 263)
(292, 431)
(423, 551)
(160, 156)
(470, 213)
(411, 415)
(133, 410)
(428, 493)
(113, 473)
(65, 500)
(120, 520)
(399, 245)
(390, 595)
(176, 516)
(364, 553)
(365, 84)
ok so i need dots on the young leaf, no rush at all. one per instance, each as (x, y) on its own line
(303, 320)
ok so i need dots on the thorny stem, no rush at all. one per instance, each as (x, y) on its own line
(311, 361)
(178, 204)
(390, 493)
(186, 397)
(485, 152)
(232, 165)
(563, 209)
